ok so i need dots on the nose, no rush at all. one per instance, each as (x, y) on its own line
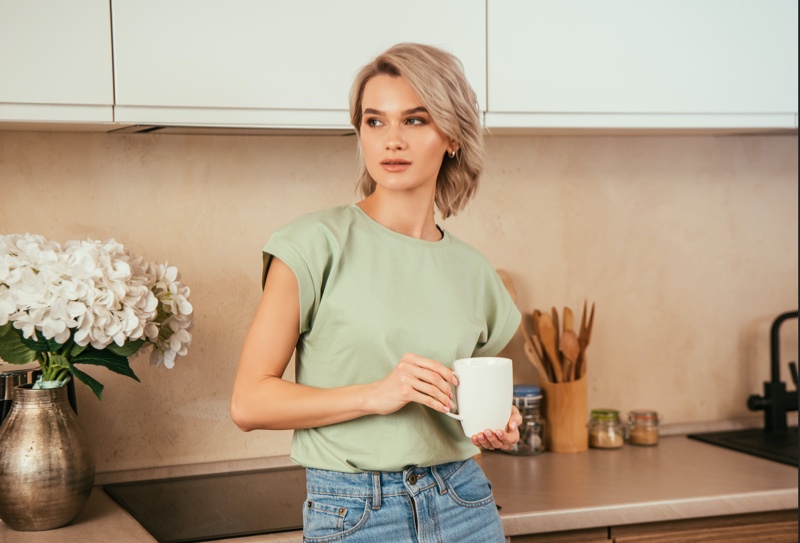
(394, 139)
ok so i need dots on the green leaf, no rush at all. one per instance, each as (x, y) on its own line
(88, 380)
(114, 362)
(41, 345)
(127, 349)
(5, 328)
(13, 349)
(76, 350)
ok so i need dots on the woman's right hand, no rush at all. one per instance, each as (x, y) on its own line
(415, 379)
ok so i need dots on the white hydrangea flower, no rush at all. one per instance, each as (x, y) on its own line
(170, 330)
(94, 293)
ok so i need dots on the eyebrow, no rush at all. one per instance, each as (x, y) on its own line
(370, 111)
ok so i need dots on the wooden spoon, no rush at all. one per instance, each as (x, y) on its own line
(535, 358)
(547, 334)
(557, 328)
(570, 354)
(570, 348)
(568, 319)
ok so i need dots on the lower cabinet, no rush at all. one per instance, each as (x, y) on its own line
(590, 535)
(771, 527)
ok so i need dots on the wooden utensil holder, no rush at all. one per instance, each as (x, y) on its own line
(566, 412)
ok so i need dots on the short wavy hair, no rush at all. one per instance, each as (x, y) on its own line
(438, 79)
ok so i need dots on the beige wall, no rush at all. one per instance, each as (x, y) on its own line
(688, 246)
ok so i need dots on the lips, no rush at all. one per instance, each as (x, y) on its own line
(395, 164)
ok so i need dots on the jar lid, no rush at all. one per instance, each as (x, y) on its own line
(605, 414)
(524, 391)
(643, 415)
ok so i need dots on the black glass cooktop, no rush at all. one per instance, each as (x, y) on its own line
(780, 448)
(207, 507)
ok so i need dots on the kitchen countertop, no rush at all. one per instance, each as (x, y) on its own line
(678, 479)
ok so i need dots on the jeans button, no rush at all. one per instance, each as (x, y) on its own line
(412, 478)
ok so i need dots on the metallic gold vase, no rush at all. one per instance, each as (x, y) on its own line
(46, 466)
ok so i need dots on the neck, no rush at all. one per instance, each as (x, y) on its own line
(407, 214)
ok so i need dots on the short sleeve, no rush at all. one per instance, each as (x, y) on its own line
(306, 250)
(501, 314)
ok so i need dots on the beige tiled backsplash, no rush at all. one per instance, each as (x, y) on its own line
(687, 245)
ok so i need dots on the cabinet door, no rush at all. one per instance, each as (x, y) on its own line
(771, 527)
(587, 535)
(272, 62)
(55, 61)
(643, 63)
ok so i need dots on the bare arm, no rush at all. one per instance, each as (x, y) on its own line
(263, 399)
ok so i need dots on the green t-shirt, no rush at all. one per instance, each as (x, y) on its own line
(368, 295)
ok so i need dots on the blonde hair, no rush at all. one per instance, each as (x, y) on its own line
(438, 79)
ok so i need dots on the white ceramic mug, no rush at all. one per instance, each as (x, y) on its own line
(484, 394)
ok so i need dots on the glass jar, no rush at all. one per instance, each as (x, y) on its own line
(605, 429)
(528, 399)
(643, 428)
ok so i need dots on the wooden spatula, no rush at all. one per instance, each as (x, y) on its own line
(535, 358)
(548, 335)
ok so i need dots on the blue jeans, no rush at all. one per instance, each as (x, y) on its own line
(441, 504)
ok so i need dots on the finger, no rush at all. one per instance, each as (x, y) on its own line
(429, 393)
(487, 440)
(427, 381)
(495, 438)
(515, 421)
(432, 365)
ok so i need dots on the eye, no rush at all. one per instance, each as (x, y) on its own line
(372, 121)
(416, 121)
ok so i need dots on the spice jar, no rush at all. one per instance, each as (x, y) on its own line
(643, 427)
(528, 399)
(605, 429)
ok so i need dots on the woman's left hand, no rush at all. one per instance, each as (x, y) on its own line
(500, 439)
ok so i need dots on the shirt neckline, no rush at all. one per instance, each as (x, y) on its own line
(375, 225)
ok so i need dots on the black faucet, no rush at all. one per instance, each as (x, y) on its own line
(776, 401)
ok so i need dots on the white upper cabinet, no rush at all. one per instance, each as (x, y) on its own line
(537, 65)
(55, 62)
(653, 64)
(272, 63)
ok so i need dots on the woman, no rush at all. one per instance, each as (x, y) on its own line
(378, 302)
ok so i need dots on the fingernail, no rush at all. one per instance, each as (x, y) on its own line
(452, 405)
(454, 380)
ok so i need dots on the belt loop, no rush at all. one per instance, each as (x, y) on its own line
(376, 490)
(439, 480)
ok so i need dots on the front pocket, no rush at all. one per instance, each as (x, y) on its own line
(469, 487)
(328, 518)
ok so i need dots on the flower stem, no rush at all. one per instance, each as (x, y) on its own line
(53, 367)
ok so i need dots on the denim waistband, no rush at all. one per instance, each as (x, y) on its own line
(378, 484)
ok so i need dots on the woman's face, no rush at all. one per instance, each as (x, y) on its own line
(402, 147)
